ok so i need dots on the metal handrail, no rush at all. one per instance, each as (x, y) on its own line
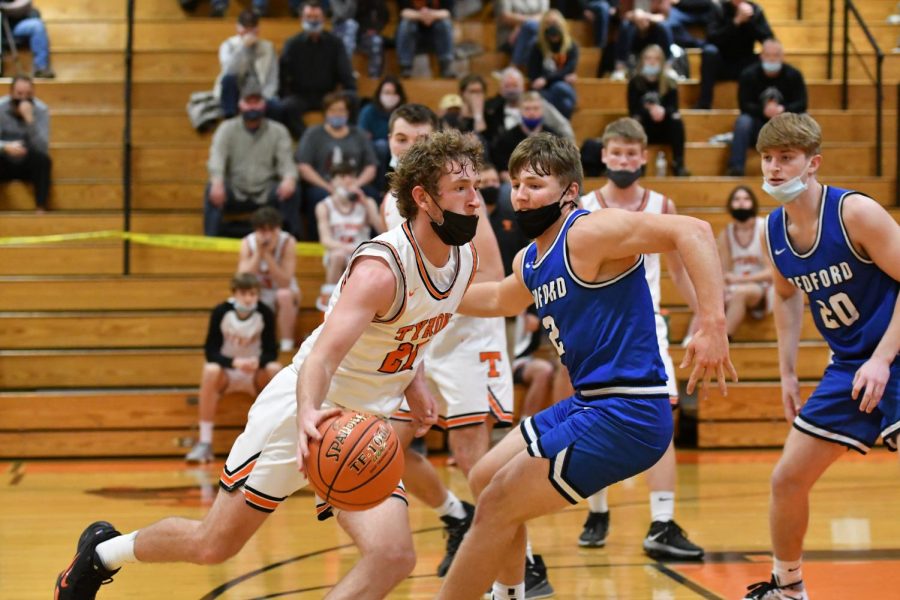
(878, 80)
(126, 137)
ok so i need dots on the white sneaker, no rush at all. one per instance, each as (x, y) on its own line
(770, 590)
(201, 453)
(619, 75)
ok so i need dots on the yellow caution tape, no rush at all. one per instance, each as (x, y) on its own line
(165, 240)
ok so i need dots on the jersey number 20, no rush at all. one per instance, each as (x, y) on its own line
(839, 311)
(553, 333)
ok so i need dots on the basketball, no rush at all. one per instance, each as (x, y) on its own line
(358, 463)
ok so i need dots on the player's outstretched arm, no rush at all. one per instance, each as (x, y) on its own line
(873, 231)
(368, 292)
(506, 298)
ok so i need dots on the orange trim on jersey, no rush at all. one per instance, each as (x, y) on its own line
(396, 256)
(474, 264)
(467, 420)
(433, 290)
(402, 415)
(230, 480)
(259, 501)
(497, 410)
(399, 492)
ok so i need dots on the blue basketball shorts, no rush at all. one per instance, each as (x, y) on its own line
(833, 415)
(593, 444)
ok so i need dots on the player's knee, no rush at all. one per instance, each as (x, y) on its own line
(397, 559)
(214, 550)
(493, 504)
(479, 477)
(211, 370)
(284, 298)
(786, 483)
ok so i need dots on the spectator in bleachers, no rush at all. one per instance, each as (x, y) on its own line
(531, 122)
(599, 13)
(372, 16)
(28, 28)
(271, 255)
(243, 57)
(638, 29)
(734, 29)
(472, 90)
(240, 356)
(766, 88)
(517, 27)
(653, 102)
(345, 219)
(748, 276)
(682, 13)
(374, 117)
(425, 23)
(344, 23)
(313, 63)
(250, 166)
(552, 63)
(324, 146)
(502, 111)
(450, 111)
(25, 139)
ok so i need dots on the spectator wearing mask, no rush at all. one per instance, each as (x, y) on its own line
(734, 29)
(374, 117)
(640, 28)
(748, 276)
(425, 23)
(250, 166)
(530, 123)
(552, 63)
(324, 146)
(28, 28)
(472, 90)
(517, 27)
(653, 102)
(312, 64)
(244, 57)
(501, 112)
(765, 89)
(25, 139)
(372, 16)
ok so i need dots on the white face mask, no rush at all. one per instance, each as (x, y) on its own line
(389, 101)
(393, 163)
(788, 190)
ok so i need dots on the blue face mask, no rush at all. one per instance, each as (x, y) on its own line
(650, 70)
(771, 67)
(532, 124)
(313, 26)
(254, 114)
(336, 122)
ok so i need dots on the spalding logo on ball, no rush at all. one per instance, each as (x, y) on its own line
(358, 463)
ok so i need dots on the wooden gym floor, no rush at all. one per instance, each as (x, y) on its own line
(853, 545)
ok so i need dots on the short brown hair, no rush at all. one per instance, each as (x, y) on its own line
(429, 159)
(791, 130)
(548, 154)
(244, 281)
(334, 98)
(266, 217)
(627, 129)
(414, 114)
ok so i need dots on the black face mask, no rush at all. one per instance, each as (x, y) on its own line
(742, 214)
(254, 114)
(490, 194)
(622, 178)
(457, 229)
(536, 221)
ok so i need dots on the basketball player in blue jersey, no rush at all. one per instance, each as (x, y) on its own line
(585, 274)
(841, 249)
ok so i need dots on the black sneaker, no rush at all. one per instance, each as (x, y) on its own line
(770, 590)
(596, 528)
(536, 583)
(82, 578)
(455, 529)
(666, 540)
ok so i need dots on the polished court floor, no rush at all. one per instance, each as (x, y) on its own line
(853, 544)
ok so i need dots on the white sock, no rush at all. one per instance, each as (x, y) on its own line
(287, 344)
(662, 506)
(452, 507)
(503, 591)
(206, 432)
(529, 555)
(116, 552)
(598, 503)
(787, 572)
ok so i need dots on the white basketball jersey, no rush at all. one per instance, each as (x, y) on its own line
(381, 364)
(265, 281)
(390, 212)
(242, 338)
(746, 260)
(653, 202)
(351, 227)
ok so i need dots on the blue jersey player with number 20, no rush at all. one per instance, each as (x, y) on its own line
(840, 248)
(585, 274)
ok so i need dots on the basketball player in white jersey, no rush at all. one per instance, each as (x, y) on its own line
(748, 276)
(271, 255)
(399, 290)
(468, 406)
(345, 219)
(625, 154)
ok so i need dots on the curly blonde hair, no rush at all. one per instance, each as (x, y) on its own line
(430, 158)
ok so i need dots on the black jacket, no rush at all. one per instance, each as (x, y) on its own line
(735, 42)
(309, 67)
(754, 81)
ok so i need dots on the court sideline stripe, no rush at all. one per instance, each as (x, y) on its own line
(681, 579)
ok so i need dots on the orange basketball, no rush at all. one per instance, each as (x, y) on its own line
(358, 463)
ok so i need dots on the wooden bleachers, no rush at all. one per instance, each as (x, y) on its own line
(120, 356)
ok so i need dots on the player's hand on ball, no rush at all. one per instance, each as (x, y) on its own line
(873, 376)
(308, 428)
(708, 352)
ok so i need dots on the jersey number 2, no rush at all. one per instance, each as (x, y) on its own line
(401, 359)
(553, 333)
(839, 308)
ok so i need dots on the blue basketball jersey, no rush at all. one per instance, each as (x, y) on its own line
(851, 299)
(604, 332)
